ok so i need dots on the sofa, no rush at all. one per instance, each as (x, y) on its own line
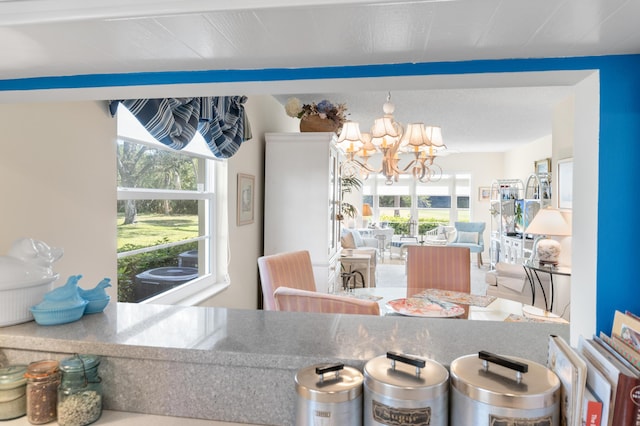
(509, 281)
(352, 240)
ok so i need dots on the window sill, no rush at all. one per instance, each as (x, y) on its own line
(204, 295)
(191, 294)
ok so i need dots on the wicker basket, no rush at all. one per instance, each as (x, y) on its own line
(314, 123)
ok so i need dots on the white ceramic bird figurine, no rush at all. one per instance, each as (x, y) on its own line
(98, 292)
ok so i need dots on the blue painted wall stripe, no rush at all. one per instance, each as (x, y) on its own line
(286, 74)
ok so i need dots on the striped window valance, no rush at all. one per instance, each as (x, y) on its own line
(221, 121)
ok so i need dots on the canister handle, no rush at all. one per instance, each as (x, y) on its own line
(519, 367)
(407, 359)
(321, 371)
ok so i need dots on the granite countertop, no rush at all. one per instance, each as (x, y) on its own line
(187, 333)
(245, 360)
(118, 418)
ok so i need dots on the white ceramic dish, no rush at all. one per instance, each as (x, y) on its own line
(16, 301)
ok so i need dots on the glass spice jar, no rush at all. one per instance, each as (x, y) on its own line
(13, 398)
(43, 379)
(80, 392)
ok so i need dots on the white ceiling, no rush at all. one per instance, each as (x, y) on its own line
(40, 38)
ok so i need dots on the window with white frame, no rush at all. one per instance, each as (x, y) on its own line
(444, 201)
(169, 222)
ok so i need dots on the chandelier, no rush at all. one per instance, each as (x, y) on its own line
(417, 142)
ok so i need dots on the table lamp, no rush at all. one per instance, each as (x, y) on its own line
(366, 214)
(548, 222)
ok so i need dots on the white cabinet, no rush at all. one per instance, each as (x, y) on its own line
(302, 192)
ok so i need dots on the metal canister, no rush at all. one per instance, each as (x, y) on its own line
(488, 389)
(328, 395)
(403, 390)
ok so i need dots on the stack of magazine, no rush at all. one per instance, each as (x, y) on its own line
(601, 378)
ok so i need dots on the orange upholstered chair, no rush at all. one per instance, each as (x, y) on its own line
(291, 269)
(295, 300)
(441, 267)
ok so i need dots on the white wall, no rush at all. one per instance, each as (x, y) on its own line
(585, 202)
(57, 169)
(484, 168)
(519, 162)
(245, 242)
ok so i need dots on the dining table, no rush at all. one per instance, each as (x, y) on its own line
(436, 303)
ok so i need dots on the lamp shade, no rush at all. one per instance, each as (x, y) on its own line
(415, 136)
(549, 221)
(383, 132)
(434, 133)
(350, 139)
(366, 210)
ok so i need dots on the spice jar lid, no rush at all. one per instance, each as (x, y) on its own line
(331, 383)
(12, 376)
(406, 377)
(42, 369)
(79, 363)
(499, 385)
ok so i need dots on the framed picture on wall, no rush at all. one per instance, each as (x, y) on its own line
(484, 193)
(246, 184)
(542, 166)
(565, 183)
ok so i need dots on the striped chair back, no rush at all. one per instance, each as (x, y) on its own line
(295, 300)
(291, 269)
(441, 267)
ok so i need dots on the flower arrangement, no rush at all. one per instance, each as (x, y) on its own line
(324, 109)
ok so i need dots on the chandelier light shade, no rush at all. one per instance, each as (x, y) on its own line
(350, 138)
(384, 133)
(434, 133)
(548, 222)
(415, 137)
(388, 138)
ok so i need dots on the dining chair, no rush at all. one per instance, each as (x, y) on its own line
(296, 300)
(291, 269)
(440, 267)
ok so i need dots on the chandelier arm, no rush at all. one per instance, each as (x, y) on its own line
(366, 166)
(411, 164)
(434, 174)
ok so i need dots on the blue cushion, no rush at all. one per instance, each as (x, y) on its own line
(467, 237)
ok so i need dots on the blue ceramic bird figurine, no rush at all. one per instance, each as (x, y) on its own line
(69, 291)
(98, 292)
(63, 297)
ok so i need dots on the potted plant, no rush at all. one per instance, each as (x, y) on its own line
(321, 117)
(348, 184)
